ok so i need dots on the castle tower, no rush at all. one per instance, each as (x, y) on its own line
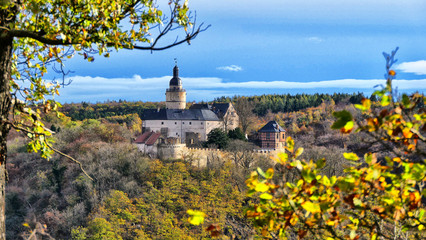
(175, 94)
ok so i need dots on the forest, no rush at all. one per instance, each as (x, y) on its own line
(134, 197)
(262, 104)
(353, 167)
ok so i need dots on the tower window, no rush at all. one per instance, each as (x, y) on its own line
(162, 123)
(183, 122)
(189, 123)
(175, 123)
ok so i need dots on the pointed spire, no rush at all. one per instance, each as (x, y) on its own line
(176, 81)
(176, 72)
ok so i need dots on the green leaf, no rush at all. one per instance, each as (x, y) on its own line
(308, 175)
(343, 117)
(320, 163)
(421, 214)
(351, 156)
(406, 101)
(370, 158)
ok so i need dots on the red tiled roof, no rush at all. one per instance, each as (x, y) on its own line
(142, 138)
(153, 138)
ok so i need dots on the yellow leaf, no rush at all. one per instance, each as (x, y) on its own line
(196, 217)
(261, 187)
(351, 156)
(311, 207)
(330, 223)
(299, 151)
(348, 127)
(282, 158)
(326, 181)
(265, 196)
(290, 144)
(385, 101)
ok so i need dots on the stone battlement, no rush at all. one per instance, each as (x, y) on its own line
(201, 156)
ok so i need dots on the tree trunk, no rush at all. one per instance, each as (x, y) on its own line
(5, 104)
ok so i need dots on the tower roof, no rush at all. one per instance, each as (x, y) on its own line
(177, 114)
(175, 81)
(272, 126)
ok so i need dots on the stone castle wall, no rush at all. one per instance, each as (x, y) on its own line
(200, 157)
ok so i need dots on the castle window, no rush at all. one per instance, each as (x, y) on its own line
(189, 123)
(162, 123)
(201, 123)
(278, 136)
(176, 133)
(283, 135)
(183, 122)
(175, 123)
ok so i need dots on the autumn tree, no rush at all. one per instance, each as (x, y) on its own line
(37, 34)
(375, 198)
(245, 112)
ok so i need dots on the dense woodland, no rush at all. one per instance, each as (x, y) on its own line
(80, 176)
(261, 105)
(135, 197)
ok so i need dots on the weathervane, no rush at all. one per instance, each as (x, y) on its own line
(176, 61)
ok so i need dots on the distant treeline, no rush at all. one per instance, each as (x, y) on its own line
(81, 111)
(291, 103)
(261, 104)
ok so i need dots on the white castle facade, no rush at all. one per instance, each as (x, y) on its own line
(177, 125)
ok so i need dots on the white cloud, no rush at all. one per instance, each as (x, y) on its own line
(418, 67)
(136, 88)
(232, 68)
(314, 39)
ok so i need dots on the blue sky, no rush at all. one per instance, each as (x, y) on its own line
(270, 46)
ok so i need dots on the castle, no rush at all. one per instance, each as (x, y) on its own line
(177, 125)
